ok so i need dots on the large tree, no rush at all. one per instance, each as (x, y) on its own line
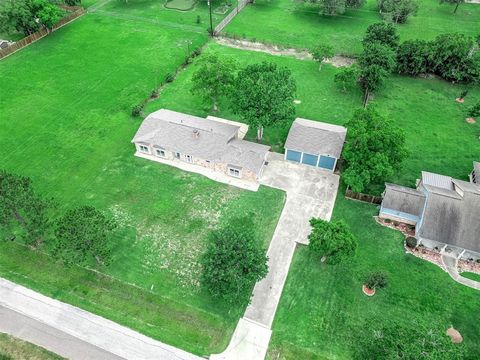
(412, 57)
(214, 78)
(263, 95)
(321, 52)
(455, 57)
(28, 16)
(83, 236)
(332, 240)
(233, 262)
(23, 210)
(383, 33)
(397, 11)
(376, 62)
(374, 150)
(335, 7)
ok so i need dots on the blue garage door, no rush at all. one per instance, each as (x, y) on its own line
(294, 155)
(327, 162)
(310, 159)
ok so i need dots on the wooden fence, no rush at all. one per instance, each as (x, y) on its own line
(40, 34)
(229, 17)
(363, 197)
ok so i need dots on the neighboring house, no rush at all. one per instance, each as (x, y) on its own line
(315, 143)
(212, 143)
(444, 211)
(475, 174)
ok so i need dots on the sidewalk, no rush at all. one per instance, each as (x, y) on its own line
(84, 326)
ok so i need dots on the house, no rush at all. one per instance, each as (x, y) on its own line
(213, 147)
(315, 143)
(444, 211)
(475, 174)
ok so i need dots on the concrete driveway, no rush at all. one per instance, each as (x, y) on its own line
(311, 192)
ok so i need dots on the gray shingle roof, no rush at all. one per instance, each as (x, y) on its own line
(436, 180)
(203, 138)
(403, 199)
(476, 167)
(316, 137)
(453, 221)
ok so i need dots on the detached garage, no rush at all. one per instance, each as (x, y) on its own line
(315, 143)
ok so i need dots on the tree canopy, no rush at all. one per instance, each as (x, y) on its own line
(263, 95)
(383, 33)
(321, 52)
(333, 240)
(334, 7)
(28, 16)
(397, 11)
(233, 262)
(21, 207)
(374, 150)
(214, 78)
(82, 237)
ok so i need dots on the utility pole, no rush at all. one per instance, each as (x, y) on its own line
(211, 23)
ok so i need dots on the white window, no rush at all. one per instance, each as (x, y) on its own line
(144, 149)
(234, 172)
(160, 152)
(188, 158)
(177, 155)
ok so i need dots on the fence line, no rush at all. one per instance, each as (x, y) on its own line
(363, 197)
(229, 17)
(40, 34)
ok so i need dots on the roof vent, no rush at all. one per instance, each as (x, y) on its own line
(196, 134)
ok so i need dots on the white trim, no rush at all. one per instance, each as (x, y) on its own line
(301, 157)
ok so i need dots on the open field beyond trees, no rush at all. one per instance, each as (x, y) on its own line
(438, 137)
(65, 117)
(14, 349)
(293, 24)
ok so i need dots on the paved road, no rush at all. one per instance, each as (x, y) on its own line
(81, 327)
(38, 333)
(310, 193)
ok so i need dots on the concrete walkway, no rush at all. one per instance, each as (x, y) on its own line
(310, 193)
(451, 265)
(84, 331)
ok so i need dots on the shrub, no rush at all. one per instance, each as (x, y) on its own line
(137, 110)
(411, 241)
(376, 280)
(154, 93)
(474, 111)
(412, 57)
(169, 77)
(397, 11)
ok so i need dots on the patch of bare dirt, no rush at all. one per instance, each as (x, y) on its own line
(337, 60)
(367, 291)
(470, 120)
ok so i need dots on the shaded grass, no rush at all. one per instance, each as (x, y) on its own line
(323, 307)
(438, 137)
(294, 24)
(65, 122)
(16, 349)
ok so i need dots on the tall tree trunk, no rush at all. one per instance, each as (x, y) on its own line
(365, 97)
(456, 7)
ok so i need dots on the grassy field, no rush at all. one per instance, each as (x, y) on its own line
(323, 307)
(15, 349)
(294, 24)
(437, 134)
(470, 275)
(65, 119)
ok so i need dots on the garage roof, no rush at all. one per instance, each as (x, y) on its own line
(316, 137)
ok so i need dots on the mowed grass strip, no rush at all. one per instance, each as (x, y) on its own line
(16, 349)
(323, 307)
(65, 122)
(438, 137)
(294, 24)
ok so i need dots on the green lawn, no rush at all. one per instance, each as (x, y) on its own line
(12, 348)
(437, 134)
(65, 121)
(293, 24)
(323, 307)
(470, 275)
